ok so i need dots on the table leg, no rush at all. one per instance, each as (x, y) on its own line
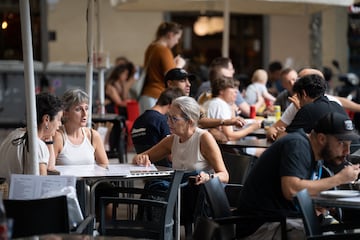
(177, 215)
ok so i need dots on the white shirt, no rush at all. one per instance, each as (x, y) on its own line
(219, 109)
(13, 159)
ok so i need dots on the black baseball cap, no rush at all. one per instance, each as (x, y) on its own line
(178, 74)
(338, 125)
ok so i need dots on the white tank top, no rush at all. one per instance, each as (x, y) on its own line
(76, 154)
(187, 155)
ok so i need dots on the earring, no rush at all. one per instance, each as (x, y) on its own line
(46, 127)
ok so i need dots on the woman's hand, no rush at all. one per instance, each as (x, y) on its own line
(142, 160)
(179, 61)
(203, 177)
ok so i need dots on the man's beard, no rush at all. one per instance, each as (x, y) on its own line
(335, 163)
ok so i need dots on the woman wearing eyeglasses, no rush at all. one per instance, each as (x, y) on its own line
(191, 148)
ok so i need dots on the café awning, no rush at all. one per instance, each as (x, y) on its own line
(287, 7)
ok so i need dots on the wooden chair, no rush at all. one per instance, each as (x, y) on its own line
(42, 216)
(312, 226)
(159, 228)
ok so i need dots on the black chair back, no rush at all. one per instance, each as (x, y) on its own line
(310, 220)
(238, 166)
(216, 198)
(139, 227)
(38, 216)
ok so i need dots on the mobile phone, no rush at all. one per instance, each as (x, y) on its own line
(192, 179)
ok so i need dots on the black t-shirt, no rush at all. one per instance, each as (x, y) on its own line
(149, 129)
(289, 156)
(309, 114)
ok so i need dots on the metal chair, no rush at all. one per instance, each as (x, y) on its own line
(223, 215)
(238, 166)
(312, 226)
(42, 216)
(139, 227)
(205, 229)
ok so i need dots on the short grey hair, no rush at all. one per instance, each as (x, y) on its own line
(73, 97)
(189, 107)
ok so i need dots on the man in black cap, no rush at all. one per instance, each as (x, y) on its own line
(291, 164)
(179, 78)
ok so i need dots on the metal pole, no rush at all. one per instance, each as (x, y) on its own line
(29, 85)
(226, 32)
(101, 70)
(89, 62)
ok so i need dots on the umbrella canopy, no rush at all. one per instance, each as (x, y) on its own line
(288, 7)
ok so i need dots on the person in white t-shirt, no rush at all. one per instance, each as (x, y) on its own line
(14, 148)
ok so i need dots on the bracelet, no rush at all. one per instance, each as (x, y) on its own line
(222, 122)
(49, 142)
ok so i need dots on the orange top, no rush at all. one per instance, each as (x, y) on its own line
(161, 60)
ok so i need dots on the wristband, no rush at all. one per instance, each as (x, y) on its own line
(49, 142)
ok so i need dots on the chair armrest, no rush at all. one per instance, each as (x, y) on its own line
(137, 191)
(136, 201)
(86, 226)
(243, 218)
(347, 236)
(341, 227)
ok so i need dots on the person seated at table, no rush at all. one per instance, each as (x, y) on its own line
(258, 86)
(179, 78)
(220, 106)
(151, 126)
(14, 149)
(192, 149)
(309, 93)
(75, 143)
(222, 66)
(288, 77)
(291, 164)
(117, 88)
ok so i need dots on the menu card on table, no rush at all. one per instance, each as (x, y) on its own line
(32, 186)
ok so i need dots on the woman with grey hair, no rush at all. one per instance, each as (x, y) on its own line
(74, 143)
(191, 148)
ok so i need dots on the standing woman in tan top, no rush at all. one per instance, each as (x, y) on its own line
(158, 60)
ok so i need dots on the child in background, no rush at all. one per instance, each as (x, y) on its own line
(258, 88)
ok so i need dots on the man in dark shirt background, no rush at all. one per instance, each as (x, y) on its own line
(151, 126)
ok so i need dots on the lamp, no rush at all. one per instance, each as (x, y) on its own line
(4, 25)
(216, 25)
(201, 26)
(208, 25)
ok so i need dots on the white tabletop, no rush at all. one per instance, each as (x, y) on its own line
(113, 170)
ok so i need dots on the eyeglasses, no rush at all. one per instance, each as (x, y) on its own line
(174, 119)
